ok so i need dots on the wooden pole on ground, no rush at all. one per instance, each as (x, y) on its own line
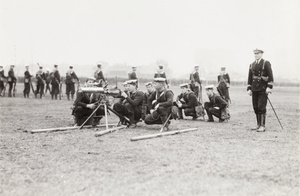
(100, 133)
(66, 128)
(162, 134)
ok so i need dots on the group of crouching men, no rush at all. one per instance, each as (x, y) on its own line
(156, 106)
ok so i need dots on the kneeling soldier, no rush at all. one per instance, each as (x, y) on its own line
(161, 100)
(215, 105)
(145, 108)
(131, 106)
(86, 103)
(187, 101)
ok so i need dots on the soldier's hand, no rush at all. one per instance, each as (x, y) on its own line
(123, 94)
(153, 102)
(249, 92)
(151, 111)
(91, 106)
(268, 90)
(155, 108)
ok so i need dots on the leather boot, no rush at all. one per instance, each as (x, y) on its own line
(68, 96)
(180, 114)
(263, 122)
(72, 97)
(258, 120)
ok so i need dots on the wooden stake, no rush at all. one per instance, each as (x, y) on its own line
(100, 133)
(66, 128)
(162, 134)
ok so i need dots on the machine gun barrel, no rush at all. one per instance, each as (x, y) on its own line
(112, 92)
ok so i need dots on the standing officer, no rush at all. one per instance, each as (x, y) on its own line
(215, 105)
(224, 83)
(11, 80)
(145, 108)
(40, 82)
(55, 82)
(187, 101)
(160, 73)
(132, 74)
(196, 83)
(71, 77)
(260, 83)
(131, 107)
(27, 81)
(99, 76)
(161, 100)
(48, 80)
(2, 79)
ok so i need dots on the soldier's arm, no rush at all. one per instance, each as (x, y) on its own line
(78, 101)
(197, 78)
(228, 78)
(137, 99)
(249, 79)
(169, 102)
(150, 99)
(221, 102)
(101, 76)
(192, 101)
(269, 73)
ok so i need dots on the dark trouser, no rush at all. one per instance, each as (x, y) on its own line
(187, 112)
(47, 87)
(40, 89)
(70, 88)
(159, 116)
(212, 111)
(1, 87)
(55, 90)
(259, 102)
(26, 89)
(81, 113)
(10, 84)
(133, 113)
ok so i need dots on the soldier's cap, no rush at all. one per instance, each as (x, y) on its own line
(184, 85)
(196, 66)
(1, 65)
(148, 84)
(99, 65)
(124, 83)
(41, 66)
(223, 68)
(26, 65)
(160, 66)
(71, 67)
(91, 78)
(208, 87)
(258, 51)
(133, 82)
(55, 65)
(159, 79)
(12, 65)
(133, 66)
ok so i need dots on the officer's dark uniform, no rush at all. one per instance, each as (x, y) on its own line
(55, 84)
(132, 76)
(189, 102)
(48, 80)
(224, 81)
(259, 78)
(2, 79)
(145, 107)
(11, 80)
(40, 78)
(196, 84)
(27, 81)
(165, 101)
(71, 77)
(99, 77)
(214, 101)
(80, 111)
(131, 107)
(161, 74)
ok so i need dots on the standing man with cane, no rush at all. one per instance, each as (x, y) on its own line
(260, 83)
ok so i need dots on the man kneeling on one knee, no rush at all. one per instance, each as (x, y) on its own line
(131, 106)
(161, 100)
(187, 101)
(215, 105)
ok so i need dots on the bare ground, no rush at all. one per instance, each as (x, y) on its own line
(218, 159)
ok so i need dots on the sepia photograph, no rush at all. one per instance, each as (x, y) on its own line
(149, 97)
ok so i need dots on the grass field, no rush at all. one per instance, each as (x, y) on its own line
(218, 159)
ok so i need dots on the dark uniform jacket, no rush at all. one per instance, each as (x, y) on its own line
(161, 74)
(194, 77)
(40, 76)
(188, 100)
(217, 101)
(164, 98)
(2, 76)
(27, 77)
(132, 76)
(71, 77)
(135, 99)
(260, 76)
(56, 77)
(99, 75)
(82, 99)
(11, 76)
(225, 78)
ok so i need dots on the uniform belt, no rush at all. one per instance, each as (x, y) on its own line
(260, 77)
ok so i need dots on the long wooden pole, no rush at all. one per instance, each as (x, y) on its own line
(162, 134)
(100, 133)
(66, 128)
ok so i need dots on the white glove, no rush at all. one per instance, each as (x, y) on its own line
(216, 108)
(249, 92)
(91, 106)
(153, 102)
(179, 104)
(268, 90)
(155, 108)
(124, 94)
(151, 111)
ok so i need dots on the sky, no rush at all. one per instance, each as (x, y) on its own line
(209, 33)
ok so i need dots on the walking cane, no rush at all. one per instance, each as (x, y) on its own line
(275, 113)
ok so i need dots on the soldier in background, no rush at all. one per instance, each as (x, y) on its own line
(71, 78)
(2, 79)
(48, 80)
(132, 74)
(145, 108)
(131, 107)
(99, 76)
(224, 84)
(40, 82)
(27, 81)
(196, 83)
(187, 102)
(260, 84)
(161, 100)
(11, 80)
(160, 73)
(55, 82)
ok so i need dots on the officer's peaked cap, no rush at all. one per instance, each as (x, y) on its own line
(258, 50)
(209, 87)
(131, 82)
(148, 83)
(185, 85)
(159, 79)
